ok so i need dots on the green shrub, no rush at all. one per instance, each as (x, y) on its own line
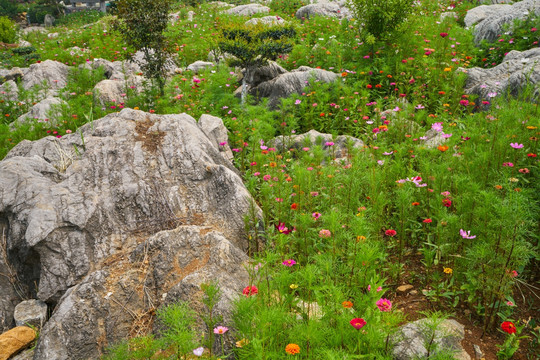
(8, 8)
(380, 18)
(80, 18)
(8, 30)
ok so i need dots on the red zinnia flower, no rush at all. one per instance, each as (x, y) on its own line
(358, 323)
(390, 232)
(508, 327)
(427, 221)
(443, 34)
(250, 290)
(294, 206)
(531, 155)
(447, 202)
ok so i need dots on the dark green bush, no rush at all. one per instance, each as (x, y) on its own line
(8, 8)
(24, 50)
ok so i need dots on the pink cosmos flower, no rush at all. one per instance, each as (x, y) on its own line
(221, 330)
(466, 234)
(508, 164)
(516, 145)
(384, 305)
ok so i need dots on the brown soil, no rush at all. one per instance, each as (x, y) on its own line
(412, 303)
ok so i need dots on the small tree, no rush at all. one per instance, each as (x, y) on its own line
(253, 46)
(141, 23)
(380, 19)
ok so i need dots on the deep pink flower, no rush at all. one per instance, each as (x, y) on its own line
(447, 202)
(516, 145)
(384, 305)
(390, 232)
(324, 233)
(443, 34)
(250, 290)
(289, 262)
(358, 323)
(283, 229)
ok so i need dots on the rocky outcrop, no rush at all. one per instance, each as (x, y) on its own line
(199, 66)
(337, 146)
(336, 9)
(12, 74)
(291, 82)
(518, 69)
(9, 91)
(412, 339)
(248, 10)
(266, 20)
(44, 111)
(103, 225)
(53, 73)
(490, 19)
(114, 91)
(117, 70)
(31, 313)
(15, 340)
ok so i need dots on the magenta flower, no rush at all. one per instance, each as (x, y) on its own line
(316, 215)
(508, 164)
(329, 143)
(358, 323)
(384, 305)
(283, 229)
(466, 234)
(516, 145)
(437, 126)
(289, 262)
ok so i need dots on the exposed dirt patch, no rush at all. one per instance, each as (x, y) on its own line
(151, 140)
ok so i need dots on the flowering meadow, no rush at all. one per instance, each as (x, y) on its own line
(442, 193)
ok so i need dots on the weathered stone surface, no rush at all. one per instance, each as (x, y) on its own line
(336, 9)
(114, 91)
(410, 341)
(116, 222)
(27, 354)
(266, 20)
(433, 139)
(480, 13)
(30, 29)
(266, 73)
(170, 66)
(9, 91)
(53, 73)
(44, 111)
(216, 131)
(290, 83)
(248, 10)
(11, 74)
(199, 66)
(8, 294)
(490, 22)
(31, 312)
(518, 69)
(15, 340)
(339, 149)
(117, 70)
(49, 20)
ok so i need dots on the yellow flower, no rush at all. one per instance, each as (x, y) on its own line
(447, 270)
(447, 69)
(531, 127)
(242, 343)
(293, 286)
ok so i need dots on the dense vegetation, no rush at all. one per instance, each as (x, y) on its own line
(459, 220)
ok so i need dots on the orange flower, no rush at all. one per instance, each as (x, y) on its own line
(343, 74)
(416, 203)
(294, 206)
(498, 187)
(273, 164)
(442, 148)
(292, 349)
(347, 304)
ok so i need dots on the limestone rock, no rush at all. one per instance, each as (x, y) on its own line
(15, 340)
(11, 74)
(49, 20)
(410, 340)
(8, 293)
(480, 13)
(44, 111)
(31, 312)
(29, 29)
(136, 206)
(329, 9)
(518, 69)
(216, 131)
(266, 20)
(433, 139)
(24, 43)
(9, 91)
(53, 73)
(139, 59)
(117, 70)
(27, 354)
(290, 83)
(248, 10)
(199, 66)
(114, 91)
(313, 137)
(491, 22)
(266, 73)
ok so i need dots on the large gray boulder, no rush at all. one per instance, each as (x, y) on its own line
(248, 10)
(46, 111)
(103, 224)
(266, 20)
(114, 70)
(336, 9)
(199, 66)
(493, 21)
(518, 69)
(114, 91)
(291, 82)
(337, 146)
(53, 73)
(30, 313)
(9, 91)
(412, 339)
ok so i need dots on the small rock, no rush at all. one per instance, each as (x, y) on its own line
(404, 288)
(31, 312)
(413, 292)
(199, 66)
(14, 340)
(49, 20)
(478, 354)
